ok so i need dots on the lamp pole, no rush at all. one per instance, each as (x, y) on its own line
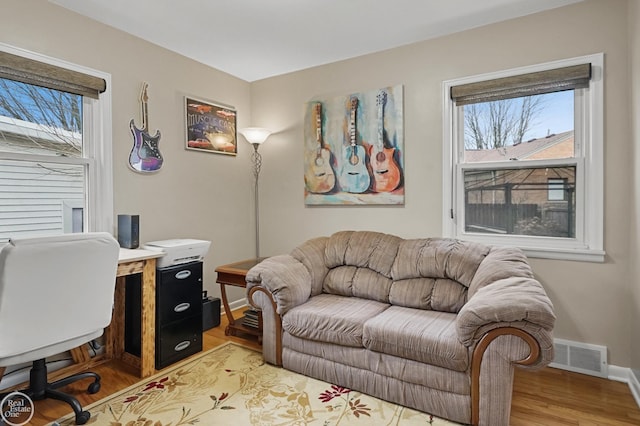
(257, 163)
(256, 136)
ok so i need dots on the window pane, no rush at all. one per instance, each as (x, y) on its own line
(528, 128)
(77, 220)
(36, 120)
(557, 190)
(516, 201)
(33, 196)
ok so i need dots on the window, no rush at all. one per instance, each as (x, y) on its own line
(557, 189)
(523, 159)
(55, 147)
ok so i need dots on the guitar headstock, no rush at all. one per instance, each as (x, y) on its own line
(381, 99)
(354, 103)
(143, 93)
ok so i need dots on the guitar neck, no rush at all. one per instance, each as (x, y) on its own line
(380, 127)
(352, 126)
(143, 106)
(319, 124)
(145, 116)
(381, 100)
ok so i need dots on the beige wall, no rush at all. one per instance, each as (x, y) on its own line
(209, 196)
(194, 195)
(634, 281)
(591, 299)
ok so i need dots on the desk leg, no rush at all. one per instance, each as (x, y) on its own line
(114, 334)
(80, 355)
(148, 320)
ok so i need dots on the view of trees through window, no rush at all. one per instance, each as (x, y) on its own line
(506, 198)
(41, 152)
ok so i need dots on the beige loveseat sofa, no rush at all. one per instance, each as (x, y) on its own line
(433, 324)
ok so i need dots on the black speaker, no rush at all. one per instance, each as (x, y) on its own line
(129, 230)
(210, 311)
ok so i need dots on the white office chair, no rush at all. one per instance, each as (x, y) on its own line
(56, 294)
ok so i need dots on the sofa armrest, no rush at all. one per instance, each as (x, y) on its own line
(517, 302)
(285, 278)
(508, 322)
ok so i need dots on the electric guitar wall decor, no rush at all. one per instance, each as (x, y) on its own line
(355, 175)
(385, 170)
(145, 156)
(319, 175)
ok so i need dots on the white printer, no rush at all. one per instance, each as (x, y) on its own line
(178, 251)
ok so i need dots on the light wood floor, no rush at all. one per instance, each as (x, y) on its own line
(545, 398)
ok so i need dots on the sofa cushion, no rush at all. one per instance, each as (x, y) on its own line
(332, 318)
(407, 370)
(425, 336)
(439, 258)
(364, 249)
(358, 282)
(438, 294)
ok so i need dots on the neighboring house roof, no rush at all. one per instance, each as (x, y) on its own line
(31, 138)
(552, 146)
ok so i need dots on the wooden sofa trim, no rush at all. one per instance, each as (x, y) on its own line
(277, 319)
(478, 353)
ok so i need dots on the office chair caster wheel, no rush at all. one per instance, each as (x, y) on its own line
(83, 417)
(93, 387)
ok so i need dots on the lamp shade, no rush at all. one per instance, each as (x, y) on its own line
(255, 134)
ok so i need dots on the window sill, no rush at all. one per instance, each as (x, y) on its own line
(582, 255)
(547, 249)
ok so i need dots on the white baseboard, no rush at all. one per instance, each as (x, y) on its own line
(625, 375)
(634, 385)
(236, 305)
(619, 374)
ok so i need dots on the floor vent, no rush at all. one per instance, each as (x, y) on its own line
(580, 357)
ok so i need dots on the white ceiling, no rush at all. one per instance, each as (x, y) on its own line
(256, 39)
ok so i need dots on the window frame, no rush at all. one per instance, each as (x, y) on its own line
(97, 145)
(589, 145)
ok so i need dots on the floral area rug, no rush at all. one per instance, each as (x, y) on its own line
(232, 385)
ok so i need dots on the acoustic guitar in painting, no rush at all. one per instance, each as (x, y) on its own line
(319, 176)
(145, 155)
(355, 175)
(385, 170)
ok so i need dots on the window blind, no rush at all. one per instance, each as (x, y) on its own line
(535, 83)
(25, 70)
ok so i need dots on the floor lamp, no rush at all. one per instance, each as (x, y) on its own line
(256, 136)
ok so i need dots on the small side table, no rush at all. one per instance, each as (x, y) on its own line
(234, 274)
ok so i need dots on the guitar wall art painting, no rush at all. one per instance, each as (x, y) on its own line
(353, 149)
(145, 155)
(210, 127)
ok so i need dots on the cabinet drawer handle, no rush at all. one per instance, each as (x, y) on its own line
(183, 274)
(182, 307)
(182, 346)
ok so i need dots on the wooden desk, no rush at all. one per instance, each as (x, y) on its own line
(234, 274)
(136, 261)
(130, 262)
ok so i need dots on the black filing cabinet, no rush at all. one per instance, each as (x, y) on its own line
(178, 312)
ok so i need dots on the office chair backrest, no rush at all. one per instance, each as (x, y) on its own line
(54, 289)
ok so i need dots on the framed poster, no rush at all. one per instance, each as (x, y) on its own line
(210, 127)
